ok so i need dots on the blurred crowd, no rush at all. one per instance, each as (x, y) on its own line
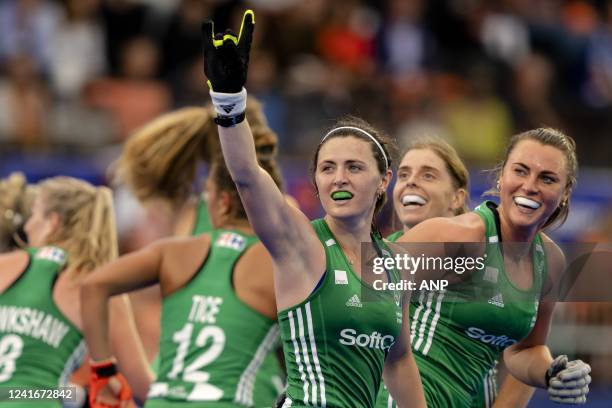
(85, 73)
(81, 75)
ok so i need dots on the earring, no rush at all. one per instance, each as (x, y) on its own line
(497, 185)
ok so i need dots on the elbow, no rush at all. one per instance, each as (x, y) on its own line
(243, 175)
(92, 288)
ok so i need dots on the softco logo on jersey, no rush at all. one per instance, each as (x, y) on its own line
(502, 341)
(376, 340)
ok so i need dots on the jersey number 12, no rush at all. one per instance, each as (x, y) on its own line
(202, 391)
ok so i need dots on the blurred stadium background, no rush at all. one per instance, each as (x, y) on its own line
(78, 76)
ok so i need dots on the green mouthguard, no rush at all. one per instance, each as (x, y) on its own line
(341, 195)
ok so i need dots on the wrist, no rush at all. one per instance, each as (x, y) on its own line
(229, 121)
(104, 368)
(229, 104)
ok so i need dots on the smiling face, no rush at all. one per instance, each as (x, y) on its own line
(532, 184)
(347, 177)
(425, 188)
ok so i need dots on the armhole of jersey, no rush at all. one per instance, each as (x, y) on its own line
(544, 290)
(493, 208)
(233, 267)
(21, 274)
(319, 283)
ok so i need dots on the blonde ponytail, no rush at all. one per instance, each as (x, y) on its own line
(87, 229)
(16, 198)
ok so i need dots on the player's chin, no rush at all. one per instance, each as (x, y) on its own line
(343, 211)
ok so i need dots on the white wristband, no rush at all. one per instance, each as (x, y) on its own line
(229, 104)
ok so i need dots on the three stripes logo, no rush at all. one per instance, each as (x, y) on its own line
(497, 300)
(354, 301)
(306, 356)
(424, 321)
(228, 108)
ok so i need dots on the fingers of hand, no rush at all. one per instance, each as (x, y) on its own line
(568, 392)
(208, 33)
(574, 371)
(245, 38)
(578, 383)
(559, 363)
(571, 400)
(106, 398)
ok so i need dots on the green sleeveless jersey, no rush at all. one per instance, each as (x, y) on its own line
(212, 345)
(335, 342)
(270, 377)
(456, 342)
(39, 346)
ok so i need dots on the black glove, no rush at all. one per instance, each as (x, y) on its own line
(226, 57)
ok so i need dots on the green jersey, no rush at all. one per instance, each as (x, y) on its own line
(456, 342)
(335, 342)
(202, 225)
(39, 346)
(212, 345)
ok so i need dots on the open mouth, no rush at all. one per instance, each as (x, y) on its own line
(524, 202)
(413, 200)
(341, 195)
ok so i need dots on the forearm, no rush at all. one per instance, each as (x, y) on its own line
(239, 153)
(128, 348)
(528, 365)
(513, 394)
(94, 310)
(404, 382)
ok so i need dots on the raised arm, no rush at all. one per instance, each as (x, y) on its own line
(277, 224)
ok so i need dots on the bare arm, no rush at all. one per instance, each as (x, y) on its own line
(529, 359)
(401, 374)
(276, 223)
(129, 272)
(127, 347)
(513, 394)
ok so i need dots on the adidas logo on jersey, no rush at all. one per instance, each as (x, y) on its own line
(497, 300)
(354, 301)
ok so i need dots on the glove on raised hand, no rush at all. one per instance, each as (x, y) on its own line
(226, 62)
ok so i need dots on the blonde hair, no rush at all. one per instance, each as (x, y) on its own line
(567, 146)
(87, 230)
(16, 198)
(161, 159)
(454, 165)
